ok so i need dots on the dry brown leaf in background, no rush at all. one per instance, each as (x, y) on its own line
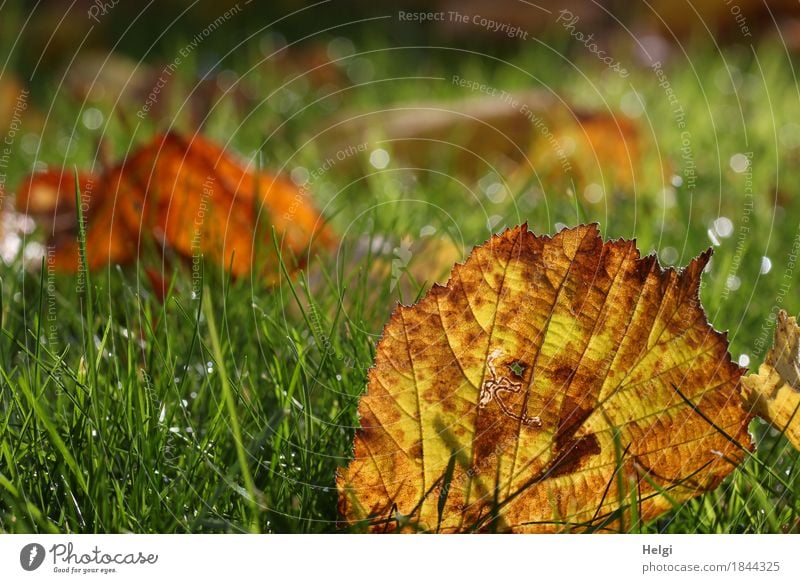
(466, 134)
(185, 194)
(529, 135)
(551, 378)
(773, 392)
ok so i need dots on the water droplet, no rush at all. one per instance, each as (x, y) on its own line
(733, 283)
(723, 227)
(340, 47)
(766, 265)
(360, 70)
(492, 221)
(593, 193)
(669, 255)
(739, 163)
(790, 135)
(677, 181)
(668, 197)
(496, 192)
(427, 231)
(744, 360)
(30, 143)
(632, 104)
(92, 118)
(379, 158)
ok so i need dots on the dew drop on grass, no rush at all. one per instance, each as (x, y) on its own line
(493, 221)
(744, 360)
(593, 193)
(340, 47)
(92, 118)
(723, 226)
(668, 197)
(739, 163)
(789, 135)
(379, 158)
(733, 283)
(669, 255)
(30, 143)
(360, 70)
(496, 192)
(632, 104)
(766, 265)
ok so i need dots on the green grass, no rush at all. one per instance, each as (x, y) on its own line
(229, 406)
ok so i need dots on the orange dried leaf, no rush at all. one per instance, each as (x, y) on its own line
(773, 393)
(548, 383)
(186, 194)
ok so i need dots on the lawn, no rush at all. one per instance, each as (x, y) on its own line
(228, 405)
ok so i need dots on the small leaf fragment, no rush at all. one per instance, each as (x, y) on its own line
(773, 393)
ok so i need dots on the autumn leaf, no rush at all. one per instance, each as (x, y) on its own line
(526, 136)
(187, 195)
(773, 393)
(554, 384)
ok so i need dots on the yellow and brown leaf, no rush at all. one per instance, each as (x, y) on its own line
(548, 384)
(773, 392)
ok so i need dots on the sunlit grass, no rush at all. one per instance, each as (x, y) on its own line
(122, 413)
